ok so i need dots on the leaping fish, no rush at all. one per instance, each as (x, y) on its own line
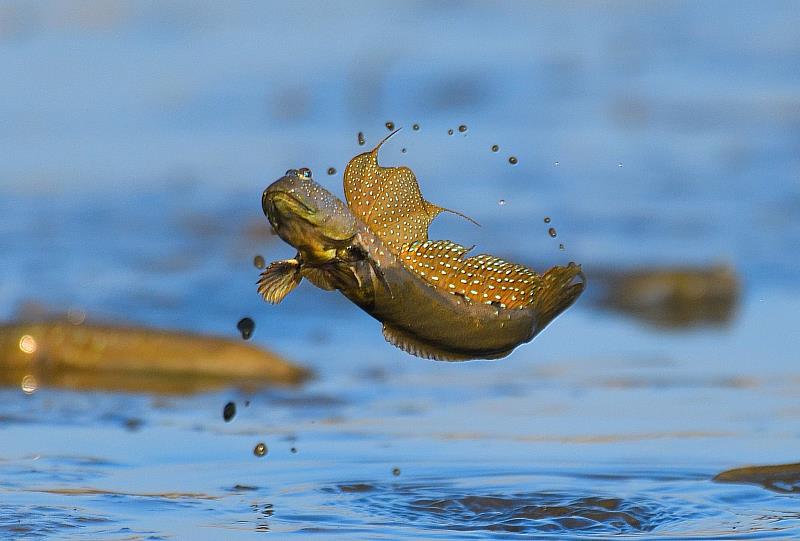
(433, 301)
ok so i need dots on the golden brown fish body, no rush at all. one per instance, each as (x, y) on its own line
(430, 322)
(433, 301)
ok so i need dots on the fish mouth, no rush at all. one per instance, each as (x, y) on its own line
(277, 204)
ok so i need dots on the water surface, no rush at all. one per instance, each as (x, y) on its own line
(137, 140)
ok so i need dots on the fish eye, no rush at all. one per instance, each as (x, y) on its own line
(291, 173)
(305, 172)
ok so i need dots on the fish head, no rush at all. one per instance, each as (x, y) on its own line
(307, 216)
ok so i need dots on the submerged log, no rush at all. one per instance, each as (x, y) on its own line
(61, 353)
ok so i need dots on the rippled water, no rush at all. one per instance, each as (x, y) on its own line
(131, 189)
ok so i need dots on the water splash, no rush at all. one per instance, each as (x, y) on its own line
(229, 411)
(246, 327)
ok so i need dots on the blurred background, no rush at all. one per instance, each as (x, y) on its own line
(662, 141)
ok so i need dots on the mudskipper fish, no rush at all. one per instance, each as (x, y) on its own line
(433, 300)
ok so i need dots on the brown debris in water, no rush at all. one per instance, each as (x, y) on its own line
(678, 297)
(783, 478)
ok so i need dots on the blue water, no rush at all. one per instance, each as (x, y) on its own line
(134, 144)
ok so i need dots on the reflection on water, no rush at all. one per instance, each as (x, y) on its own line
(431, 508)
(43, 522)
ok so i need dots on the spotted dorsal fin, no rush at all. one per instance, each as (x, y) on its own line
(487, 279)
(388, 200)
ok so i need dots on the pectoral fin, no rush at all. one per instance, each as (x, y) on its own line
(319, 278)
(332, 276)
(279, 279)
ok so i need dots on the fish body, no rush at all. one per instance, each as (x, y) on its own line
(433, 300)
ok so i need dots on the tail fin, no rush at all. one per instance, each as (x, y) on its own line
(562, 286)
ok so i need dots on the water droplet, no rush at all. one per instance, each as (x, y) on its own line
(390, 126)
(495, 148)
(229, 412)
(415, 127)
(246, 327)
(132, 424)
(512, 160)
(76, 316)
(395, 471)
(501, 202)
(29, 384)
(293, 450)
(561, 246)
(619, 164)
(403, 150)
(331, 170)
(462, 128)
(547, 219)
(361, 139)
(556, 164)
(259, 262)
(304, 172)
(450, 132)
(552, 232)
(260, 449)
